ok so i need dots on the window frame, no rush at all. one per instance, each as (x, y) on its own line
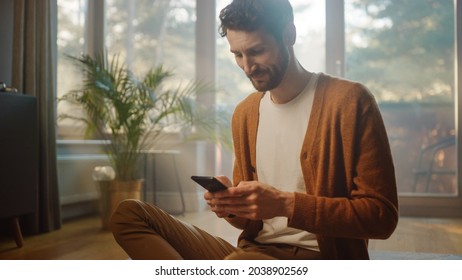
(410, 205)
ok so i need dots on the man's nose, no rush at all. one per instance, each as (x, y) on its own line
(248, 65)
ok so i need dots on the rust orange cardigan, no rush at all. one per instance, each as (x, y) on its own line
(347, 166)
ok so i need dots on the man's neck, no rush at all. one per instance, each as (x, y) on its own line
(295, 80)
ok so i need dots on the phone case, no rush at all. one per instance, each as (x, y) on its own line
(209, 183)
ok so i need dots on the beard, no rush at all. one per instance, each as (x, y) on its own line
(273, 74)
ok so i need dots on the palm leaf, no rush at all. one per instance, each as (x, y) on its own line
(131, 113)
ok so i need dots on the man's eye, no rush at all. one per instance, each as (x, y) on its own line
(256, 52)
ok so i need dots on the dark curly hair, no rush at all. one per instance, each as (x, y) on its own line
(250, 15)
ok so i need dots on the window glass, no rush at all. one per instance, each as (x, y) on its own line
(404, 52)
(71, 29)
(310, 50)
(148, 33)
(143, 34)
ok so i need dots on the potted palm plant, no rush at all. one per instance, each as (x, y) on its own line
(131, 113)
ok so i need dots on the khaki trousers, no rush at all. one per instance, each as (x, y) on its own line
(146, 232)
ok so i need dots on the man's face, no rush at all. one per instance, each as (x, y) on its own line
(262, 58)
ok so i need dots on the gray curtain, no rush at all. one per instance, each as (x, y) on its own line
(34, 73)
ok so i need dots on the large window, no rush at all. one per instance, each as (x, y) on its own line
(403, 51)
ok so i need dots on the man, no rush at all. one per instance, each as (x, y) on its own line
(313, 176)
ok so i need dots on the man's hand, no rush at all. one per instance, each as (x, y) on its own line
(209, 196)
(251, 200)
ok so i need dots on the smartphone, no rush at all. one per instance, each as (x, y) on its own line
(209, 183)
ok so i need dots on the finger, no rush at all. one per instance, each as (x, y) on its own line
(224, 194)
(237, 209)
(220, 214)
(208, 195)
(245, 188)
(233, 200)
(234, 192)
(236, 201)
(225, 180)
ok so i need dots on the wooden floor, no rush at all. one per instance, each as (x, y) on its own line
(83, 239)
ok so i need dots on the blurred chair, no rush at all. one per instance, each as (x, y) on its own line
(427, 163)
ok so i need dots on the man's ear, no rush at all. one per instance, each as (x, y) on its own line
(290, 34)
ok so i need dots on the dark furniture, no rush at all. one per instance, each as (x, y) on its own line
(18, 158)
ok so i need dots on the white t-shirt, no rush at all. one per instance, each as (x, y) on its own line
(281, 131)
